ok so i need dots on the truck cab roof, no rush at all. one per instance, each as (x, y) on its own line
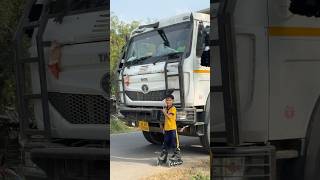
(185, 17)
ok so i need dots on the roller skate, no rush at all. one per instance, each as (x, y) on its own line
(162, 159)
(175, 159)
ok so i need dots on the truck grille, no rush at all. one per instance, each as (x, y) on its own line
(150, 96)
(80, 108)
(243, 163)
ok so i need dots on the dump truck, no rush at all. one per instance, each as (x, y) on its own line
(264, 89)
(170, 56)
(62, 89)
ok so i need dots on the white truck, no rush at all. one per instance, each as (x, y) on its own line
(62, 89)
(265, 68)
(165, 58)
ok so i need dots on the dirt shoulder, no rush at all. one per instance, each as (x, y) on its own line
(192, 171)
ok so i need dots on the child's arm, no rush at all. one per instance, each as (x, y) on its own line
(168, 115)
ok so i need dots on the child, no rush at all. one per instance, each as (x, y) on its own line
(171, 139)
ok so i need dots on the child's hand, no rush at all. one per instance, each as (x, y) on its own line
(183, 128)
(161, 128)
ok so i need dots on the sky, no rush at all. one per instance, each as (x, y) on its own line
(146, 10)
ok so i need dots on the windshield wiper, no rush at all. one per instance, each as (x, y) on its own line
(170, 55)
(164, 37)
(134, 61)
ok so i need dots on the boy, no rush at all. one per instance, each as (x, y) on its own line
(171, 139)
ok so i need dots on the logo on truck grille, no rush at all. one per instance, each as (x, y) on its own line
(145, 89)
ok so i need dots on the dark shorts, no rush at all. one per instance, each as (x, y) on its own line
(171, 140)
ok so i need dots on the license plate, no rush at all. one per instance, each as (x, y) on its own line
(144, 126)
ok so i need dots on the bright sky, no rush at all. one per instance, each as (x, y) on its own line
(144, 10)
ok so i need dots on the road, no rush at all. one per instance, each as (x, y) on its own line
(132, 157)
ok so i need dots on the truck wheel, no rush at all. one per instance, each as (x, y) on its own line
(153, 137)
(312, 165)
(205, 139)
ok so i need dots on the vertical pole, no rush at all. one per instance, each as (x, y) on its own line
(42, 69)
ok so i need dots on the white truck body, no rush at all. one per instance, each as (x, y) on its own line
(77, 104)
(278, 65)
(196, 77)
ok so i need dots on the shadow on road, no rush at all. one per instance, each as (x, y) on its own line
(132, 147)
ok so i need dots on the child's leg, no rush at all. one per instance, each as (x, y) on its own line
(166, 141)
(176, 143)
(175, 159)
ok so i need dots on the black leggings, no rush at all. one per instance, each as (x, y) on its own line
(171, 140)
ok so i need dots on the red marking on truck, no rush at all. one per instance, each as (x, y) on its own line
(126, 80)
(289, 112)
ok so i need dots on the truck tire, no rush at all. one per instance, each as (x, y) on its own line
(205, 139)
(312, 165)
(153, 137)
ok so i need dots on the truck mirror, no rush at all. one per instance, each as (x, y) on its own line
(205, 57)
(200, 40)
(122, 57)
(120, 66)
(307, 8)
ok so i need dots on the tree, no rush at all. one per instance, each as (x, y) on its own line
(10, 11)
(118, 32)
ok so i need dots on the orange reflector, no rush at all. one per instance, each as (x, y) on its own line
(201, 71)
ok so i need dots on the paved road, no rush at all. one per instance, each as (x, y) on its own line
(132, 157)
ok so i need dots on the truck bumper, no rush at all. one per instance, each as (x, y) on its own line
(154, 115)
(136, 114)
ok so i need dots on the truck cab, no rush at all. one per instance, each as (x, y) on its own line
(166, 57)
(62, 86)
(264, 88)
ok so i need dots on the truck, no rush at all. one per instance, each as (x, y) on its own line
(62, 87)
(264, 84)
(170, 56)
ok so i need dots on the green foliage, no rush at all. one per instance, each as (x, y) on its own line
(200, 176)
(119, 30)
(10, 11)
(117, 126)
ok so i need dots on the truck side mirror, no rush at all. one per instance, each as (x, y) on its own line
(205, 56)
(120, 66)
(200, 40)
(121, 59)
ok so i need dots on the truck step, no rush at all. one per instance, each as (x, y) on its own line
(199, 123)
(172, 75)
(287, 154)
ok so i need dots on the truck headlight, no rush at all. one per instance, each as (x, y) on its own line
(181, 115)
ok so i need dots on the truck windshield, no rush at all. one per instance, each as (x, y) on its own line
(160, 42)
